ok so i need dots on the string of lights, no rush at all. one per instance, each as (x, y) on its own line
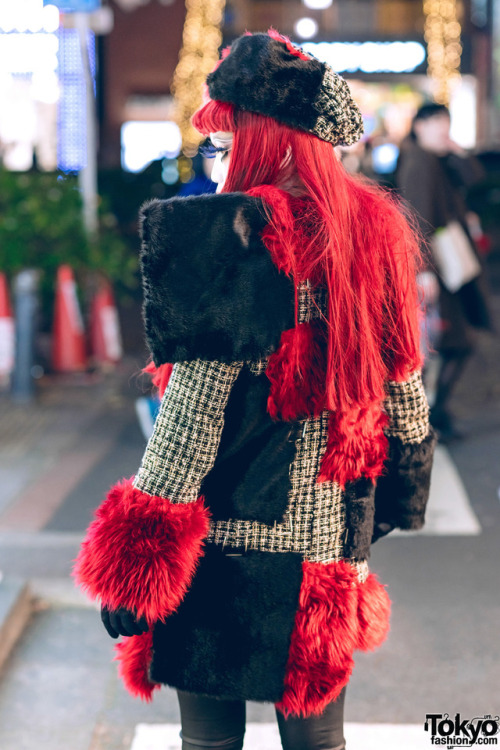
(444, 48)
(201, 39)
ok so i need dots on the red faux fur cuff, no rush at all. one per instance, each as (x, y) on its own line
(141, 551)
(336, 616)
(134, 657)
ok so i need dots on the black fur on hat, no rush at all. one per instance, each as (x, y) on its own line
(265, 73)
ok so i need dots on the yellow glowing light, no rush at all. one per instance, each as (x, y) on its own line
(444, 48)
(201, 39)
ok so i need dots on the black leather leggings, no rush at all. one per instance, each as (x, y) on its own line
(213, 723)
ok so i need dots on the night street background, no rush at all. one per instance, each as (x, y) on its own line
(96, 98)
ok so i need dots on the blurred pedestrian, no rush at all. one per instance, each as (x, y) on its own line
(293, 431)
(433, 175)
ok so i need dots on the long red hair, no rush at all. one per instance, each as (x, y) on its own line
(345, 233)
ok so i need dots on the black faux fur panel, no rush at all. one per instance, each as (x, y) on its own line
(261, 75)
(231, 635)
(360, 514)
(250, 479)
(402, 493)
(211, 290)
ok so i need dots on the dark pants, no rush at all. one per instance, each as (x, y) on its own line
(450, 370)
(213, 723)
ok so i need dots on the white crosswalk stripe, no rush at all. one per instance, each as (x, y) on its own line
(449, 512)
(266, 737)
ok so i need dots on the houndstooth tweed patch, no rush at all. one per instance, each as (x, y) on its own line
(259, 366)
(314, 522)
(183, 449)
(187, 431)
(311, 302)
(339, 118)
(408, 410)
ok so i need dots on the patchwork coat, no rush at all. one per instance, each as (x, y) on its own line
(252, 574)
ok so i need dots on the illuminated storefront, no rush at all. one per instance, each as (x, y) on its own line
(396, 54)
(389, 81)
(42, 89)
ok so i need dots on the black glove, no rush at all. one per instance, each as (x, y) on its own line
(380, 530)
(122, 622)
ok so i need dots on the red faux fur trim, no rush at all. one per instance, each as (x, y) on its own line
(141, 551)
(160, 375)
(288, 44)
(134, 656)
(297, 374)
(336, 615)
(374, 611)
(278, 203)
(356, 447)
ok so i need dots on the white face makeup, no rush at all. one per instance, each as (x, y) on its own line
(224, 140)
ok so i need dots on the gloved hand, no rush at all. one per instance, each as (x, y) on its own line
(380, 530)
(122, 622)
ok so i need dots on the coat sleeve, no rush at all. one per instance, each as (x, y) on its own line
(143, 547)
(402, 491)
(212, 300)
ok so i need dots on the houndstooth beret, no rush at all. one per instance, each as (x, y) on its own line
(268, 75)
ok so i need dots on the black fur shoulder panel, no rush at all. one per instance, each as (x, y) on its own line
(211, 290)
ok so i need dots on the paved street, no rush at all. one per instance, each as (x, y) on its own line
(59, 687)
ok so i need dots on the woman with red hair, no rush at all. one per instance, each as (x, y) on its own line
(293, 430)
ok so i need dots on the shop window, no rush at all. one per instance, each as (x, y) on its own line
(145, 142)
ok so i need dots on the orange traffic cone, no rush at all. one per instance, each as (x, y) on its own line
(68, 340)
(7, 343)
(105, 338)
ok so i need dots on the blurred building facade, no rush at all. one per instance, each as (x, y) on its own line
(381, 46)
(137, 62)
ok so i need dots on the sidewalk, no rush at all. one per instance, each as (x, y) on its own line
(48, 448)
(51, 444)
(49, 451)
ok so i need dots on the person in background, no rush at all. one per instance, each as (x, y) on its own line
(433, 175)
